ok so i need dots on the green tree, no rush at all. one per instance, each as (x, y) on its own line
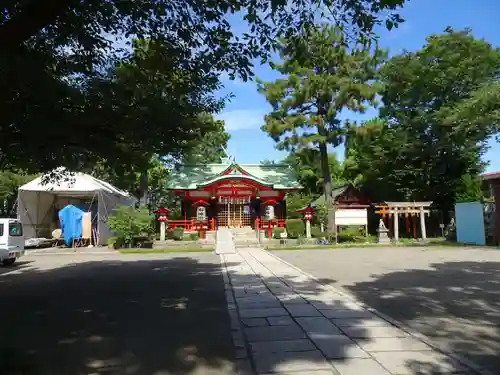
(209, 147)
(307, 165)
(128, 222)
(152, 103)
(296, 201)
(481, 108)
(441, 101)
(322, 77)
(9, 184)
(64, 87)
(128, 178)
(469, 189)
(375, 161)
(197, 23)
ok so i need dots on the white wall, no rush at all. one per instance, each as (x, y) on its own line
(35, 211)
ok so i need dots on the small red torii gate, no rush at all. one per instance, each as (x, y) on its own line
(407, 209)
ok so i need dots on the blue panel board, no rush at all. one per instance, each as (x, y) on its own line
(71, 223)
(470, 223)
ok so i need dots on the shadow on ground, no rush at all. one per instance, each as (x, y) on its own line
(142, 317)
(455, 303)
(115, 317)
(17, 266)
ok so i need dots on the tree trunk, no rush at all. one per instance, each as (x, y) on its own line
(143, 188)
(327, 184)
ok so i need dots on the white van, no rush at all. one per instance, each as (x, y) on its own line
(11, 241)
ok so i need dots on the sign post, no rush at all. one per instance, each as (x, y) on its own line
(201, 216)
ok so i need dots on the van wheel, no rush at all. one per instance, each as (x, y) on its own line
(8, 262)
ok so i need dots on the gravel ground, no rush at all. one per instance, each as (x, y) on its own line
(114, 314)
(450, 294)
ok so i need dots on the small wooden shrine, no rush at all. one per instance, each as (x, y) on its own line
(351, 206)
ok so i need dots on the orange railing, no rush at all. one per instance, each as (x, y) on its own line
(210, 225)
(192, 224)
(268, 225)
(273, 223)
(265, 224)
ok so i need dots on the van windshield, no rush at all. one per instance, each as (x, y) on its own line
(15, 229)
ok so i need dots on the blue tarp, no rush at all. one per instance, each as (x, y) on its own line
(71, 223)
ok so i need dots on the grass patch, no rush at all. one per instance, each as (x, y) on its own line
(167, 250)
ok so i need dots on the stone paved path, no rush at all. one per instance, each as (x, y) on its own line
(224, 243)
(285, 322)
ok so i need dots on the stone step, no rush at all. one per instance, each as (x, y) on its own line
(240, 245)
(253, 239)
(238, 233)
(250, 239)
(247, 234)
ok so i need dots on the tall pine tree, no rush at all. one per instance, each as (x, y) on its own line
(323, 76)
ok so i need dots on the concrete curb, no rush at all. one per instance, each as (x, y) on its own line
(417, 335)
(242, 362)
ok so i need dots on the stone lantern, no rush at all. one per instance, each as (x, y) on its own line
(308, 215)
(162, 216)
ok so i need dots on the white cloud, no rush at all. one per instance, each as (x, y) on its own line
(243, 119)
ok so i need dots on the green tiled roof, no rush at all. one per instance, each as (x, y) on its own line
(191, 177)
(337, 191)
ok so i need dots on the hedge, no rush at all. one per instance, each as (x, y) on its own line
(277, 233)
(295, 228)
(317, 233)
(178, 233)
(352, 234)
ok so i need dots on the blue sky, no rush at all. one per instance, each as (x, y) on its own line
(244, 114)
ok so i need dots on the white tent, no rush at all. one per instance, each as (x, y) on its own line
(39, 203)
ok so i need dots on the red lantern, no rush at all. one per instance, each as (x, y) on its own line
(201, 202)
(308, 213)
(270, 202)
(161, 214)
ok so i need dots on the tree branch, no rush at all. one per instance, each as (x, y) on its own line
(29, 20)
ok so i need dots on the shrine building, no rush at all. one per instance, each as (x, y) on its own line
(233, 195)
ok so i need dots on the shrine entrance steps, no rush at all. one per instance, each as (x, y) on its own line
(245, 237)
